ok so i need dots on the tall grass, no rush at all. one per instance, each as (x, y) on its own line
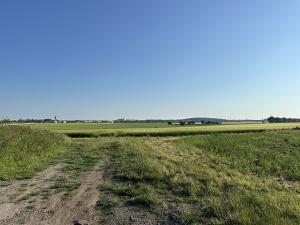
(265, 154)
(186, 184)
(24, 151)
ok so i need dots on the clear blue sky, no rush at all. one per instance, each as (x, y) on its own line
(111, 59)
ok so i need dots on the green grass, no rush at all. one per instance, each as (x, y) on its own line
(217, 179)
(24, 151)
(96, 126)
(107, 204)
(76, 130)
(84, 156)
(268, 154)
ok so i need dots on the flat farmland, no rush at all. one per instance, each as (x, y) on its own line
(239, 178)
(155, 129)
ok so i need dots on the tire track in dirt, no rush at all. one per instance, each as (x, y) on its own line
(79, 206)
(13, 194)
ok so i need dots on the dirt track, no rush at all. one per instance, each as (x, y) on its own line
(33, 202)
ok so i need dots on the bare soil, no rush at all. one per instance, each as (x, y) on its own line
(33, 202)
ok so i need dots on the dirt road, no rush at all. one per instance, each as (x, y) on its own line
(36, 202)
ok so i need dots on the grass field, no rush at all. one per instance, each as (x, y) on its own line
(24, 151)
(154, 129)
(217, 178)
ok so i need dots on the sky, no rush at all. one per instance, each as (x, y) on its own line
(141, 59)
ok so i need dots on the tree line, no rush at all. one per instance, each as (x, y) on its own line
(273, 119)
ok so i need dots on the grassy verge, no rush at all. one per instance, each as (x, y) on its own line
(268, 154)
(155, 133)
(24, 151)
(184, 184)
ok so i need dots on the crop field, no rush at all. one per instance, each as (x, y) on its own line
(155, 129)
(217, 178)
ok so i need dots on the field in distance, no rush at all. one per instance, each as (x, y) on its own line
(154, 129)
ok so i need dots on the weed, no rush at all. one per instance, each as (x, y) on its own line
(24, 151)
